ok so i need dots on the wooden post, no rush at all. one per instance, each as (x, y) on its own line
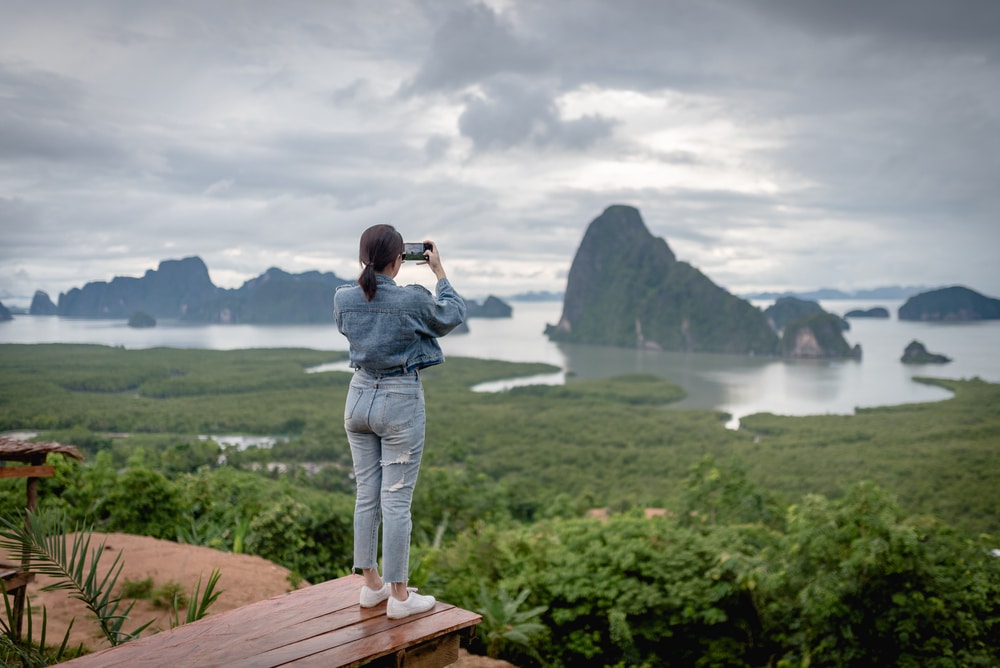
(36, 460)
(21, 594)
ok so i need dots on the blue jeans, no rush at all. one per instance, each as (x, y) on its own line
(385, 420)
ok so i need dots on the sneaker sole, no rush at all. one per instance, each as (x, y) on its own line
(390, 615)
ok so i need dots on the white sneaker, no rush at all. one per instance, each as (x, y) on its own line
(372, 597)
(414, 604)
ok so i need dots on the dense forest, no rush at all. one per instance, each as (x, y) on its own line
(591, 523)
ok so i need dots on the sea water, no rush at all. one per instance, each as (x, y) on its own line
(738, 385)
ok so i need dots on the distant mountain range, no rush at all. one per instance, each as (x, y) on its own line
(625, 288)
(890, 292)
(537, 296)
(183, 290)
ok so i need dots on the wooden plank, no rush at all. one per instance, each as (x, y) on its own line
(328, 605)
(46, 471)
(320, 625)
(256, 643)
(290, 610)
(291, 644)
(365, 643)
(230, 628)
(247, 619)
(367, 648)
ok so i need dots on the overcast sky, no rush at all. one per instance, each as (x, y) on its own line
(774, 144)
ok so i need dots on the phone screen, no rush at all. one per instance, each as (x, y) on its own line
(413, 252)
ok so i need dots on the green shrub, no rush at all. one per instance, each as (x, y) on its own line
(137, 589)
(170, 596)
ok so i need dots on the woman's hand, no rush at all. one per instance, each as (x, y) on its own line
(433, 260)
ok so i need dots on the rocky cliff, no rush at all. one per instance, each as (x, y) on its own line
(492, 307)
(817, 336)
(141, 320)
(874, 312)
(274, 297)
(916, 353)
(626, 288)
(167, 292)
(5, 313)
(41, 304)
(954, 303)
(789, 309)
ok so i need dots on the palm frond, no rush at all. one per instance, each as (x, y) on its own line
(43, 536)
(200, 601)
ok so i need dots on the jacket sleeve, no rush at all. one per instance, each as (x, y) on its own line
(443, 311)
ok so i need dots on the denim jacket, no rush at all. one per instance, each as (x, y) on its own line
(397, 331)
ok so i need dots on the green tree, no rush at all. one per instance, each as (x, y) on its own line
(312, 539)
(507, 625)
(860, 584)
(714, 494)
(448, 501)
(143, 502)
(188, 456)
(222, 503)
(648, 590)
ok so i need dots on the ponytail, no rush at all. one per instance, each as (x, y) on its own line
(380, 246)
(367, 282)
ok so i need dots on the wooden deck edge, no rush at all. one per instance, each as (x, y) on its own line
(321, 625)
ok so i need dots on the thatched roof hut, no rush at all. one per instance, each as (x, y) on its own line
(13, 450)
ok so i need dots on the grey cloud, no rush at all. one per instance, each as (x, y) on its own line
(963, 24)
(281, 79)
(436, 147)
(882, 109)
(322, 34)
(472, 45)
(122, 35)
(648, 45)
(18, 221)
(509, 114)
(356, 90)
(580, 133)
(52, 139)
(42, 118)
(350, 166)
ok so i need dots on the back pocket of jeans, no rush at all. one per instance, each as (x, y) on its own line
(401, 410)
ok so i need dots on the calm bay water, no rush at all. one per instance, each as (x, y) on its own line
(735, 384)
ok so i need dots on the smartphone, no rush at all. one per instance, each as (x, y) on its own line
(415, 251)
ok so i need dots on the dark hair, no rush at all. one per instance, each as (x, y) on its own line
(380, 246)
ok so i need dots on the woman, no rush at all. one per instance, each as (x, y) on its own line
(392, 331)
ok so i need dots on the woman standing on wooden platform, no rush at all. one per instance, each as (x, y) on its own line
(393, 332)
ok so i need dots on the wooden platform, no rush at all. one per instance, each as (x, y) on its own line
(321, 625)
(13, 577)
